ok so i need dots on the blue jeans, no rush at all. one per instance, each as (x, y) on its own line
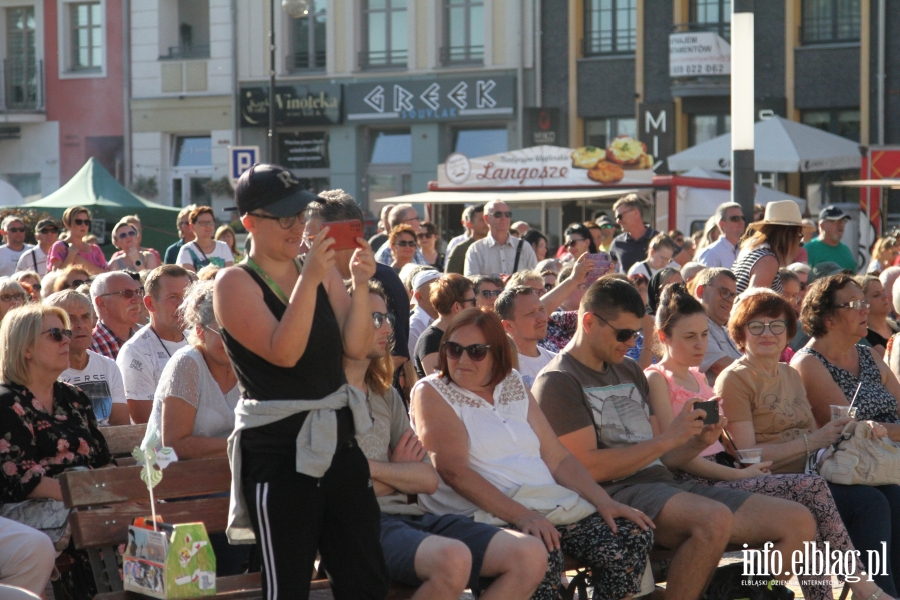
(872, 515)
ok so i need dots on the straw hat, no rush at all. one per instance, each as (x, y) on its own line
(780, 212)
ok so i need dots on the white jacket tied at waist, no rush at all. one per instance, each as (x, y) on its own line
(316, 442)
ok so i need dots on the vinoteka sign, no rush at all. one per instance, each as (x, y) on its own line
(536, 167)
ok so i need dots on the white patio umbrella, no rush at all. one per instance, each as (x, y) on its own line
(782, 146)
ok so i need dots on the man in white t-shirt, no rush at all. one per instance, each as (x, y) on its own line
(95, 375)
(14, 230)
(143, 357)
(424, 313)
(525, 321)
(35, 259)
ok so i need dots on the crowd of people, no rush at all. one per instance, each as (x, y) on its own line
(535, 402)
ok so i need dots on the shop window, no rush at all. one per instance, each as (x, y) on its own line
(480, 142)
(610, 27)
(600, 132)
(192, 151)
(463, 32)
(390, 147)
(844, 123)
(711, 15)
(830, 21)
(702, 128)
(385, 36)
(184, 29)
(308, 35)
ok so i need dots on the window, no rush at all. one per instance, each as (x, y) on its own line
(22, 68)
(309, 37)
(193, 151)
(600, 132)
(610, 27)
(191, 33)
(463, 32)
(86, 20)
(481, 142)
(844, 123)
(829, 21)
(703, 128)
(711, 15)
(385, 34)
(391, 147)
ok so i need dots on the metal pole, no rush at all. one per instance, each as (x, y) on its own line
(272, 81)
(743, 190)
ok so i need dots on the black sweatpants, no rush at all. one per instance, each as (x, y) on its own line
(294, 515)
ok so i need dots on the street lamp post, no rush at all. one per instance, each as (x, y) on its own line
(294, 9)
(743, 189)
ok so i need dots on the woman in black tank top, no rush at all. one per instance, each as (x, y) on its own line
(286, 329)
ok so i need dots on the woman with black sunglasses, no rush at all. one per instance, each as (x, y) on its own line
(500, 462)
(403, 244)
(77, 221)
(450, 295)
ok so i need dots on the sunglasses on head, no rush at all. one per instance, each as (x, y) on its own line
(16, 230)
(501, 214)
(476, 352)
(82, 222)
(379, 319)
(57, 334)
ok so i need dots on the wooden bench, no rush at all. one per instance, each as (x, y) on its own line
(122, 439)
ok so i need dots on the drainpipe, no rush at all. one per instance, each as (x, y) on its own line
(126, 89)
(538, 48)
(881, 74)
(235, 79)
(520, 85)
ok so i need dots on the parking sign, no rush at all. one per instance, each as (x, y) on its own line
(242, 158)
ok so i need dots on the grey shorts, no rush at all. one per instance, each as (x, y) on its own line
(402, 534)
(650, 498)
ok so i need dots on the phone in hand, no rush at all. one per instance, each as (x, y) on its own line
(712, 411)
(345, 233)
(601, 261)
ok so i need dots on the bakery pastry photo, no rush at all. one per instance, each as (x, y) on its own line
(626, 151)
(606, 172)
(586, 157)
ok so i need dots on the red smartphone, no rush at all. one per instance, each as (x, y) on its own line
(345, 233)
(601, 262)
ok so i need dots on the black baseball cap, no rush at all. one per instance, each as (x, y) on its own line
(272, 188)
(832, 213)
(47, 223)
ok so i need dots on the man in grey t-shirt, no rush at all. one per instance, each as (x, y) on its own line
(596, 401)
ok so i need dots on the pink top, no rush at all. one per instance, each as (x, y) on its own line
(679, 395)
(60, 250)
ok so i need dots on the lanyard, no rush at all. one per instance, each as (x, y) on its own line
(271, 282)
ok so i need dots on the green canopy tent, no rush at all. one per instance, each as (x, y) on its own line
(95, 189)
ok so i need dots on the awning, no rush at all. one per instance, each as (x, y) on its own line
(454, 197)
(860, 183)
(781, 146)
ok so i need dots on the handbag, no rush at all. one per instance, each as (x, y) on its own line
(860, 457)
(43, 514)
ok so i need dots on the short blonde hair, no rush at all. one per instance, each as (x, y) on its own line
(20, 330)
(124, 223)
(524, 278)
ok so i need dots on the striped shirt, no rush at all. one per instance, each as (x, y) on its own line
(745, 263)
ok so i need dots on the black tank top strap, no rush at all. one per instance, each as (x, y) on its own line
(273, 302)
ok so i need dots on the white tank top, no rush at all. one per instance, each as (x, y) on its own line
(503, 447)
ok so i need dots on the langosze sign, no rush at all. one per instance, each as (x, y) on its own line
(450, 99)
(295, 105)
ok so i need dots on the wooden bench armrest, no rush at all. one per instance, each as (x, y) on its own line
(121, 439)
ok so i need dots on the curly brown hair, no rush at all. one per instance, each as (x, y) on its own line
(760, 302)
(819, 304)
(397, 230)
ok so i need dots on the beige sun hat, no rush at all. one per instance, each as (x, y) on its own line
(781, 212)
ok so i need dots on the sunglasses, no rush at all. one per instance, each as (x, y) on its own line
(622, 214)
(46, 230)
(212, 330)
(573, 241)
(284, 222)
(186, 223)
(16, 230)
(76, 284)
(758, 327)
(127, 294)
(57, 334)
(407, 244)
(500, 214)
(380, 318)
(736, 218)
(82, 222)
(490, 293)
(607, 226)
(466, 300)
(12, 298)
(424, 236)
(127, 234)
(476, 352)
(549, 286)
(622, 335)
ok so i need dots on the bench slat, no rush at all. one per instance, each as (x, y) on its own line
(233, 587)
(121, 439)
(109, 526)
(123, 484)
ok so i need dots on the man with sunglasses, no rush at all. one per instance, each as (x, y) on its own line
(117, 299)
(596, 400)
(723, 252)
(14, 230)
(716, 289)
(499, 253)
(35, 259)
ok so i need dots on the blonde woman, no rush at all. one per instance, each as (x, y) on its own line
(226, 234)
(884, 253)
(126, 237)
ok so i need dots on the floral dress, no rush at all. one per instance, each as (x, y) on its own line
(36, 444)
(561, 325)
